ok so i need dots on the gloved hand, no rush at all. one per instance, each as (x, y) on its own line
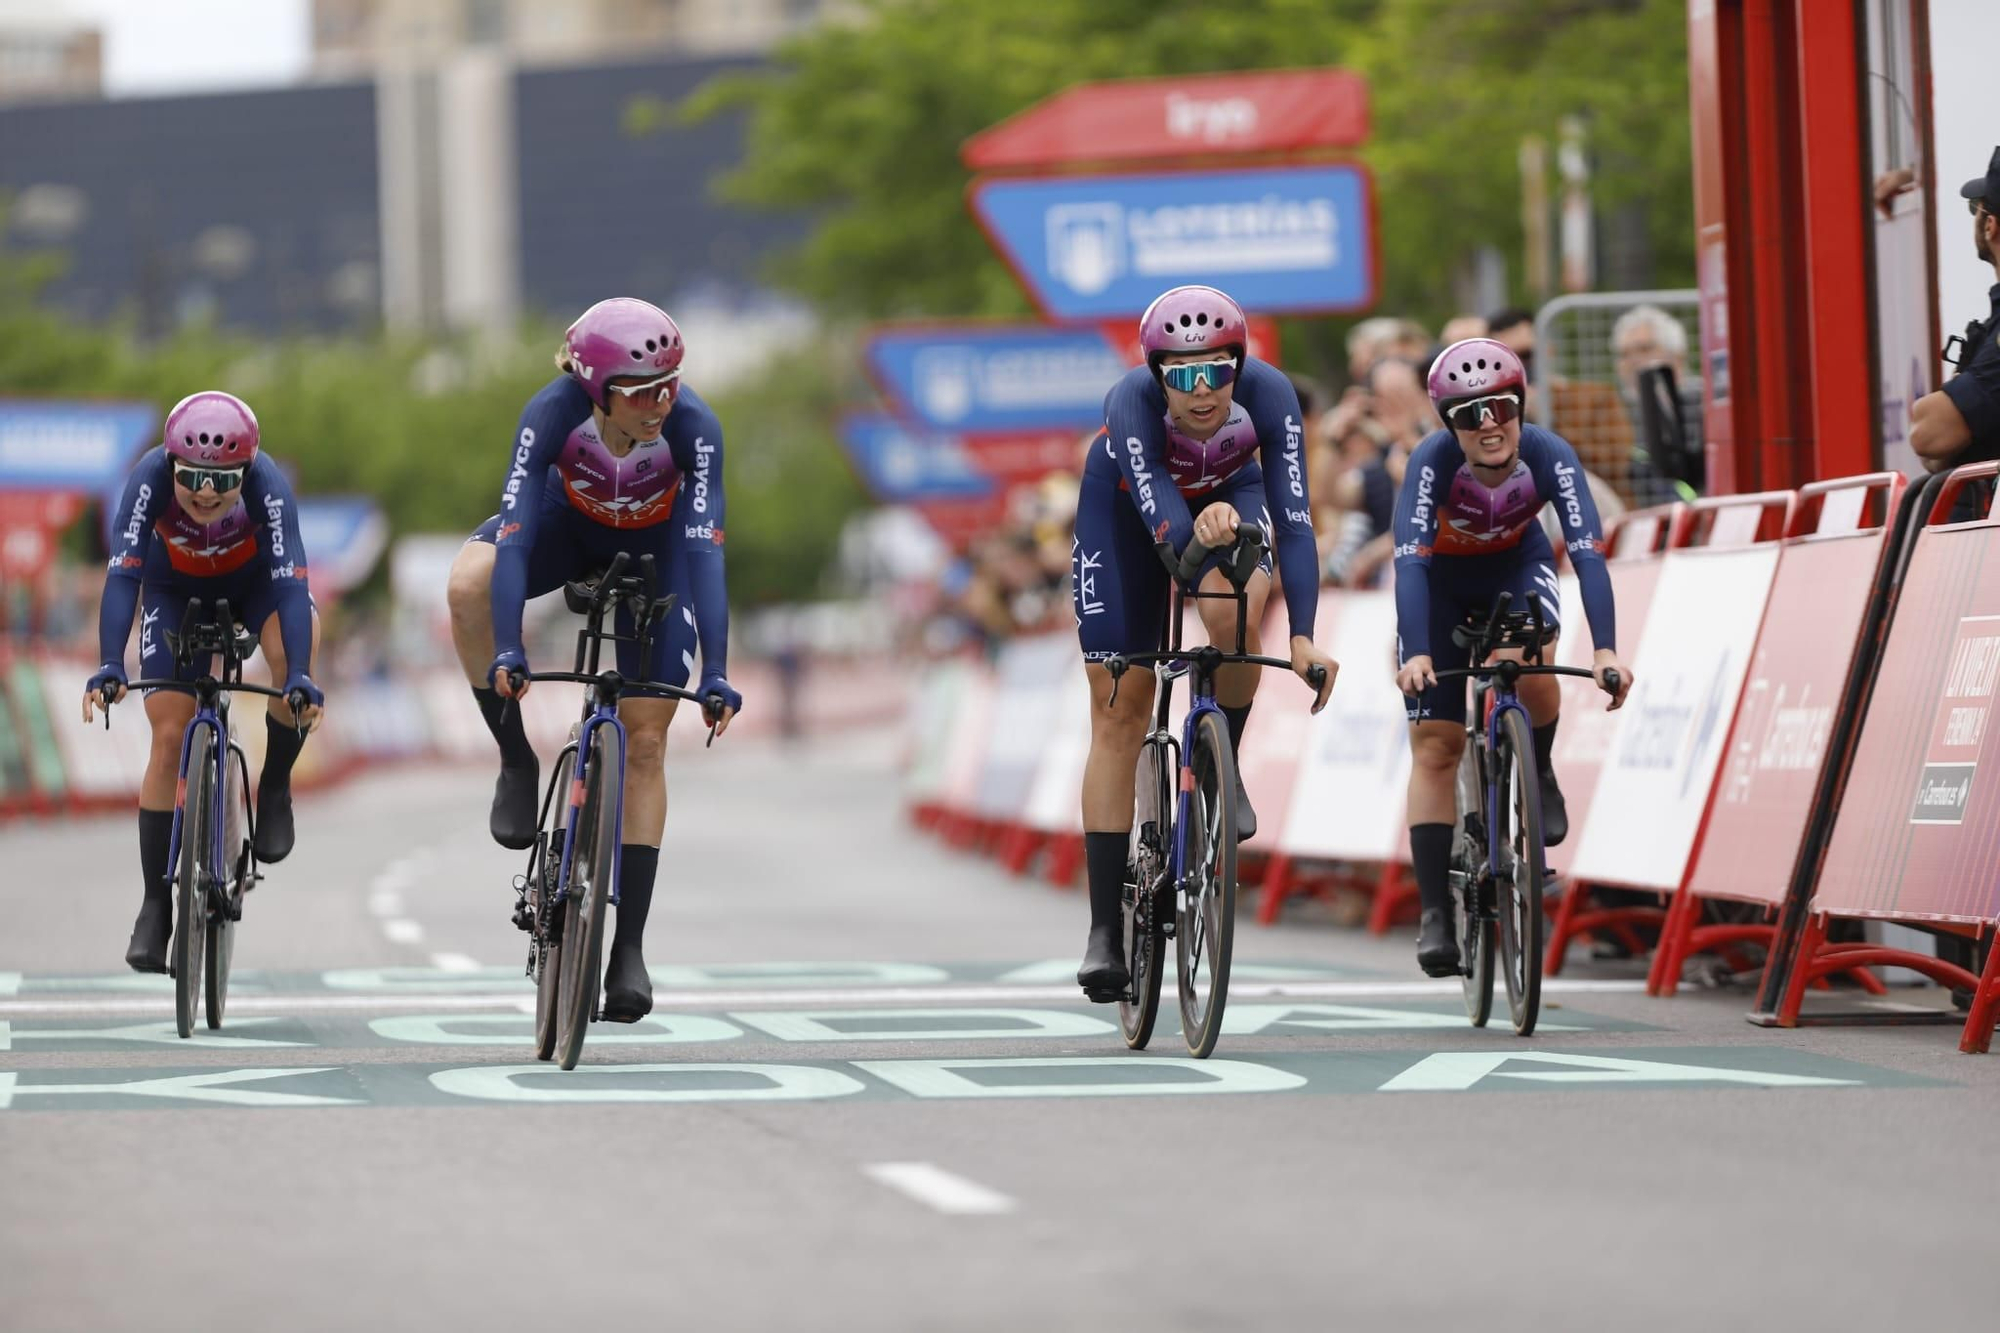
(719, 701)
(507, 663)
(109, 677)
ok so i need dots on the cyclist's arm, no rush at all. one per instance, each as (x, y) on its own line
(542, 431)
(1558, 475)
(270, 500)
(1135, 424)
(1273, 404)
(1415, 528)
(697, 520)
(148, 491)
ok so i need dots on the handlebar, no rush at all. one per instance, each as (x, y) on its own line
(710, 704)
(1247, 549)
(1215, 657)
(295, 699)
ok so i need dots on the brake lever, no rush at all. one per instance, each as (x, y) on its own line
(297, 701)
(1117, 667)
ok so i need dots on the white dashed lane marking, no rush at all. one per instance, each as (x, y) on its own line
(937, 1188)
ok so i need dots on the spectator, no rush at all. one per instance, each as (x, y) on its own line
(1960, 423)
(1514, 328)
(1368, 342)
(1646, 337)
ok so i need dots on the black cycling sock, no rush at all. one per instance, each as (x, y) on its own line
(156, 836)
(282, 743)
(1430, 855)
(1104, 862)
(1237, 718)
(1545, 748)
(503, 719)
(637, 866)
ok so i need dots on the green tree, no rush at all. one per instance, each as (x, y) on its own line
(863, 123)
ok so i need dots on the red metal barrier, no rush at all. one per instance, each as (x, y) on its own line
(1777, 759)
(1918, 838)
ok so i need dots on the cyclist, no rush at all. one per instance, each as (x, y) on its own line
(1199, 440)
(228, 527)
(614, 454)
(1467, 530)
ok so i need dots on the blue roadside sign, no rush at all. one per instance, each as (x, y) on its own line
(1281, 240)
(993, 378)
(344, 535)
(77, 446)
(899, 465)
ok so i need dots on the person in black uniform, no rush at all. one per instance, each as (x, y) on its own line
(1960, 423)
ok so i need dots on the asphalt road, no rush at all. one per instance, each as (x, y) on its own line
(870, 1098)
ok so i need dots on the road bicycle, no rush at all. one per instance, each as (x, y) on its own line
(1183, 866)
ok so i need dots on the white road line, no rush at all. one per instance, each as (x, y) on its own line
(385, 903)
(454, 962)
(940, 1189)
(521, 998)
(402, 930)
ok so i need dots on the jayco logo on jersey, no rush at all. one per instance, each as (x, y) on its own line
(1424, 480)
(703, 454)
(1292, 469)
(138, 523)
(1572, 504)
(274, 519)
(519, 476)
(1141, 474)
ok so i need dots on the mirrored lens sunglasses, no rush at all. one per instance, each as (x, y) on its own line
(1188, 375)
(1467, 415)
(221, 480)
(655, 390)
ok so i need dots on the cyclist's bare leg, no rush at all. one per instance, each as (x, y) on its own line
(1116, 735)
(469, 593)
(628, 992)
(1235, 685)
(169, 712)
(1434, 751)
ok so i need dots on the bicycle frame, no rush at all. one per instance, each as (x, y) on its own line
(1502, 700)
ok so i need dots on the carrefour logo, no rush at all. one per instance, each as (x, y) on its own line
(1092, 245)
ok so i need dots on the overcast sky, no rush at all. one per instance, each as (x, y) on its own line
(168, 46)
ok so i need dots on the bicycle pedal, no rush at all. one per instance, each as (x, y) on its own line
(1102, 996)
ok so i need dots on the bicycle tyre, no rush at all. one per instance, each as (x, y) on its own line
(190, 896)
(592, 865)
(1468, 861)
(547, 939)
(1519, 891)
(1207, 920)
(220, 947)
(1152, 825)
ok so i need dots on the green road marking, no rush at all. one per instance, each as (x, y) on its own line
(10, 983)
(1244, 1020)
(922, 1024)
(519, 1030)
(1114, 1074)
(163, 1033)
(743, 976)
(1062, 971)
(425, 980)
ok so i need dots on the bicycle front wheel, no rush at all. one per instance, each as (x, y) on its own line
(1472, 920)
(220, 945)
(592, 865)
(1148, 897)
(1519, 883)
(190, 890)
(1207, 923)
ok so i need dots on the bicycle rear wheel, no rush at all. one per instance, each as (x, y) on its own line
(1148, 897)
(592, 865)
(1471, 919)
(190, 890)
(1519, 884)
(1207, 923)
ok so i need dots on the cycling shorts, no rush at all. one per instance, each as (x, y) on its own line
(1466, 586)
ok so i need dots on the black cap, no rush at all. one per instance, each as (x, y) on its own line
(1986, 187)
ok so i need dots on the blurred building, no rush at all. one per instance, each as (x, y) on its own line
(356, 37)
(47, 56)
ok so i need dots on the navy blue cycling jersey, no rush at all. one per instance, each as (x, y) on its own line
(1446, 514)
(560, 462)
(1161, 468)
(207, 559)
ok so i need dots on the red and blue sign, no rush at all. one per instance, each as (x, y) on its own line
(80, 447)
(1281, 240)
(900, 465)
(995, 378)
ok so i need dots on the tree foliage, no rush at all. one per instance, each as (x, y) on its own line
(863, 124)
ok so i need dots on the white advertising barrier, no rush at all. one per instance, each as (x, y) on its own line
(927, 730)
(965, 745)
(1274, 744)
(1690, 665)
(96, 763)
(1030, 678)
(1055, 801)
(456, 729)
(1348, 801)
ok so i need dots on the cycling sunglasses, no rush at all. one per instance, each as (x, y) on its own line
(221, 480)
(1467, 415)
(656, 390)
(1190, 374)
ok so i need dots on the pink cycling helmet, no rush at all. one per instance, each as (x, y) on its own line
(1472, 367)
(1192, 319)
(212, 429)
(621, 336)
